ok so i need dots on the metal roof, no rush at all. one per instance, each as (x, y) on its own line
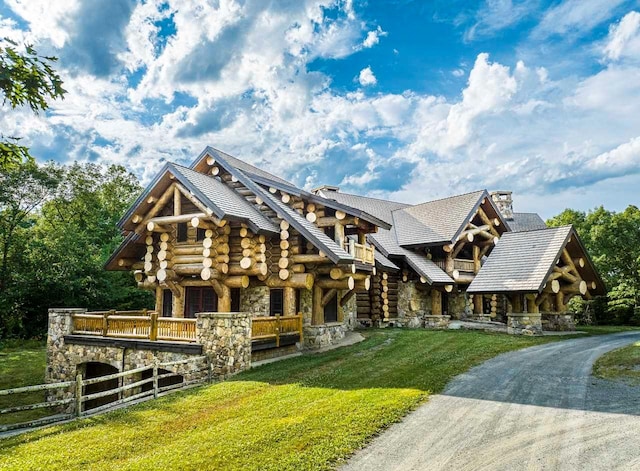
(426, 268)
(522, 261)
(384, 262)
(526, 222)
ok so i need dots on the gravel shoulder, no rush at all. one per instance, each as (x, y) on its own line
(537, 408)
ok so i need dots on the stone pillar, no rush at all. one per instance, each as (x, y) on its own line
(524, 323)
(226, 341)
(60, 324)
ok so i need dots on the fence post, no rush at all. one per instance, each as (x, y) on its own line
(352, 247)
(153, 332)
(105, 322)
(78, 394)
(277, 330)
(155, 378)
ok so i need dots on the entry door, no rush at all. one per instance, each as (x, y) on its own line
(331, 310)
(200, 299)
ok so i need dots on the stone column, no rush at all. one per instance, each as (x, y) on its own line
(226, 341)
(524, 323)
(60, 324)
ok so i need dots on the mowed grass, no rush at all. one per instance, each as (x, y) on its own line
(622, 364)
(22, 363)
(309, 412)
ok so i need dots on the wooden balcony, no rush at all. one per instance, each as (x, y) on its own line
(139, 325)
(275, 331)
(360, 252)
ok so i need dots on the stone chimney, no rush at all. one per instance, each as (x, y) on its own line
(504, 202)
(326, 189)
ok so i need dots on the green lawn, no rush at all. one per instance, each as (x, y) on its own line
(22, 364)
(621, 364)
(309, 412)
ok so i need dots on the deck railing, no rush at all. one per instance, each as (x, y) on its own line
(143, 325)
(458, 264)
(360, 252)
(273, 327)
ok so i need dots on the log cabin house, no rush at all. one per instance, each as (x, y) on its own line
(223, 235)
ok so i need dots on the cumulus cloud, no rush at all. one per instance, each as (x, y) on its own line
(373, 37)
(366, 77)
(624, 38)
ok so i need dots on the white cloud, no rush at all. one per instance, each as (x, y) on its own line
(46, 18)
(575, 17)
(373, 37)
(624, 38)
(366, 77)
(496, 15)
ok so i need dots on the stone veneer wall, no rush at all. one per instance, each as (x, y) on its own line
(524, 324)
(318, 336)
(558, 321)
(413, 304)
(255, 300)
(226, 341)
(459, 307)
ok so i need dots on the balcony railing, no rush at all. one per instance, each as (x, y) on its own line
(274, 327)
(459, 264)
(142, 325)
(360, 252)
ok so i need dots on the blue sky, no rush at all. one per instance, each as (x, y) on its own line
(408, 100)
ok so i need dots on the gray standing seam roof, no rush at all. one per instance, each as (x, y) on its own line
(521, 262)
(384, 262)
(526, 222)
(227, 202)
(437, 221)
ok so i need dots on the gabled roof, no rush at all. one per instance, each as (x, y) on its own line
(435, 222)
(212, 193)
(526, 222)
(381, 209)
(265, 178)
(308, 230)
(523, 261)
(384, 262)
(426, 268)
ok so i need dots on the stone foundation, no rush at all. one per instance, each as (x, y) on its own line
(255, 300)
(274, 353)
(524, 324)
(436, 322)
(558, 321)
(413, 304)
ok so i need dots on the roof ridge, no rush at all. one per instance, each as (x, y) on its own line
(367, 197)
(565, 226)
(447, 198)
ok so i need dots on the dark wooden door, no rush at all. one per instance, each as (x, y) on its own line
(331, 310)
(200, 299)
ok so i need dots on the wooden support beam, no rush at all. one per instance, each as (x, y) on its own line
(532, 307)
(477, 303)
(162, 201)
(347, 283)
(309, 258)
(436, 302)
(288, 301)
(328, 296)
(177, 202)
(240, 281)
(296, 280)
(346, 297)
(516, 303)
(200, 206)
(317, 312)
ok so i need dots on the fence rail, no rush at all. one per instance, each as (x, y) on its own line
(273, 327)
(78, 397)
(458, 264)
(143, 325)
(360, 252)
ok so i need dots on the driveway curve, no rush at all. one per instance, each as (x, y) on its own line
(532, 409)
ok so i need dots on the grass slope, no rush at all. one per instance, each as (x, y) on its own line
(309, 412)
(621, 364)
(22, 364)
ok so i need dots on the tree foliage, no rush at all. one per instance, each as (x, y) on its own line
(613, 241)
(57, 253)
(26, 79)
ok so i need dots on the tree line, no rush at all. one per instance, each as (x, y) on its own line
(57, 229)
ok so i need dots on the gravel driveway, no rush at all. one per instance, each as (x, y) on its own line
(533, 409)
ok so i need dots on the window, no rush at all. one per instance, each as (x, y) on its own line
(235, 299)
(200, 234)
(276, 302)
(200, 299)
(182, 232)
(331, 310)
(167, 303)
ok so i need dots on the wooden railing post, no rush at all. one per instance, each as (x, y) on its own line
(105, 322)
(78, 391)
(155, 379)
(153, 331)
(277, 330)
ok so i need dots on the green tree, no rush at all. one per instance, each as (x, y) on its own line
(26, 79)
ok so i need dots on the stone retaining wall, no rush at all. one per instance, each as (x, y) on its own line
(555, 321)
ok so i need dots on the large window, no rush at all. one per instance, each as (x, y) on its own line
(200, 299)
(276, 302)
(167, 303)
(331, 310)
(182, 232)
